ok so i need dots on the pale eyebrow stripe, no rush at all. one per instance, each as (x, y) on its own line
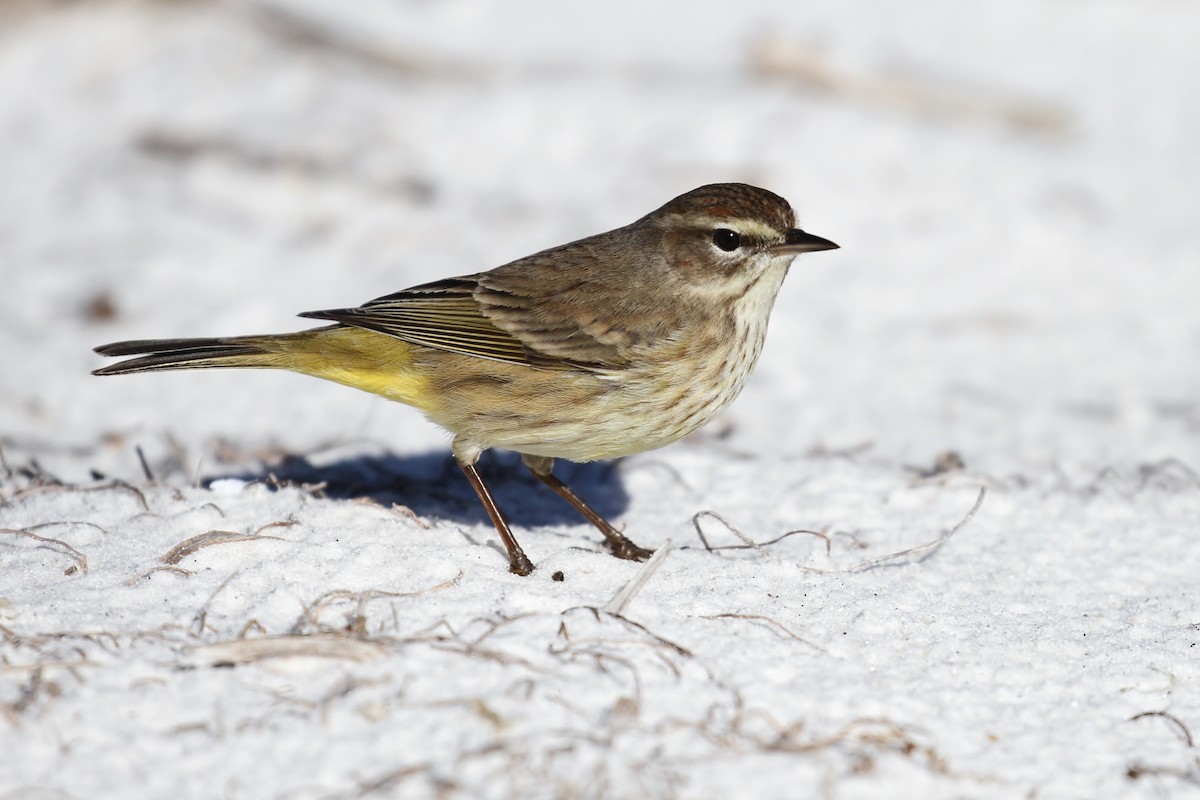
(750, 227)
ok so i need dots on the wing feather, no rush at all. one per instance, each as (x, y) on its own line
(567, 308)
(444, 315)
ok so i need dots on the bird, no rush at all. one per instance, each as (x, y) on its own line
(611, 345)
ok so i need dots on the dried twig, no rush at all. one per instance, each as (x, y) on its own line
(80, 557)
(1180, 728)
(187, 573)
(769, 621)
(405, 512)
(8, 473)
(600, 614)
(748, 542)
(625, 595)
(300, 30)
(111, 486)
(149, 473)
(311, 612)
(923, 551)
(752, 545)
(207, 539)
(201, 616)
(811, 70)
(248, 651)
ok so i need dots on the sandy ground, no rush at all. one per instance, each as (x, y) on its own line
(260, 586)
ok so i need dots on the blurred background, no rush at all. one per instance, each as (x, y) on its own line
(1015, 190)
(1014, 187)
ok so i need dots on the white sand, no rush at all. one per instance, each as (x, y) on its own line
(1015, 190)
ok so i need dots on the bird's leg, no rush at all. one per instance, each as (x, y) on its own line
(618, 543)
(518, 562)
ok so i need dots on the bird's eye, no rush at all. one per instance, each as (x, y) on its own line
(726, 239)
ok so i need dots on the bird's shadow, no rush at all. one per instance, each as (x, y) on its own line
(432, 485)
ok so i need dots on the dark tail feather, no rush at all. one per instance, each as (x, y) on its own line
(162, 354)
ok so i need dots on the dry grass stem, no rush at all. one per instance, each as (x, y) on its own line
(599, 615)
(296, 29)
(620, 601)
(249, 651)
(747, 541)
(201, 617)
(207, 539)
(1182, 730)
(760, 546)
(187, 573)
(407, 513)
(311, 614)
(107, 487)
(149, 473)
(82, 565)
(768, 621)
(922, 551)
(811, 70)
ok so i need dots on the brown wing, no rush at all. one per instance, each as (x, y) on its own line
(599, 302)
(566, 308)
(442, 315)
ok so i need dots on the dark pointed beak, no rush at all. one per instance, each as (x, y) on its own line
(797, 241)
